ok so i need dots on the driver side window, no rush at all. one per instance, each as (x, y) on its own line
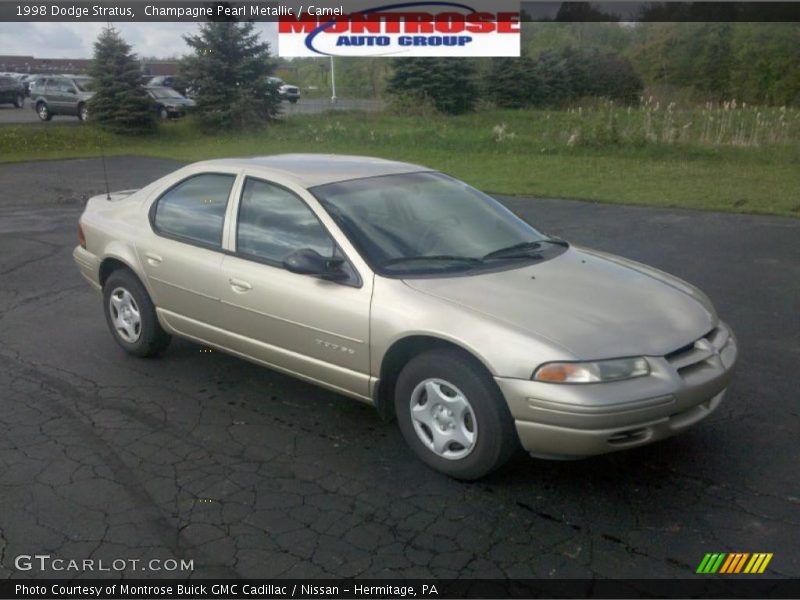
(273, 223)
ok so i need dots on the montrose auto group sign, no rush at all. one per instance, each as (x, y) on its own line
(405, 29)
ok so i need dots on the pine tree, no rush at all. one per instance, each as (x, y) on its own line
(119, 104)
(230, 71)
(514, 83)
(449, 83)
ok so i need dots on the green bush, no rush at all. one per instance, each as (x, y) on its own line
(447, 83)
(556, 78)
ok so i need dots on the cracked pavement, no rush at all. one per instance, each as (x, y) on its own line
(250, 473)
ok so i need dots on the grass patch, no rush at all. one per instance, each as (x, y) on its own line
(747, 160)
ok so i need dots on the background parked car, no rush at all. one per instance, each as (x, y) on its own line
(62, 95)
(169, 81)
(286, 91)
(27, 80)
(169, 103)
(11, 91)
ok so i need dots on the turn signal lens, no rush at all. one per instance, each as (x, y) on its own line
(81, 237)
(592, 372)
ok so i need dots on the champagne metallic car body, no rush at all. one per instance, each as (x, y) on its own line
(356, 332)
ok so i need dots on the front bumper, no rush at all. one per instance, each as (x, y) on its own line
(574, 421)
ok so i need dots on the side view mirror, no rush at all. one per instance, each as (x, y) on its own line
(310, 262)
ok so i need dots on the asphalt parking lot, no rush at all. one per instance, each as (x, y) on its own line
(10, 115)
(253, 474)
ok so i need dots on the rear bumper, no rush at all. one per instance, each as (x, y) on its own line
(88, 266)
(574, 421)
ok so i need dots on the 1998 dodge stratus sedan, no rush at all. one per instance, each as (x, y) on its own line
(407, 289)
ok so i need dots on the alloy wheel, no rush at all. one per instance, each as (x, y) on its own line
(125, 315)
(443, 419)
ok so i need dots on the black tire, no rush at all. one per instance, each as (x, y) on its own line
(163, 114)
(293, 101)
(43, 112)
(19, 101)
(152, 339)
(496, 439)
(83, 112)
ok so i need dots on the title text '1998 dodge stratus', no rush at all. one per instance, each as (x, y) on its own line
(407, 289)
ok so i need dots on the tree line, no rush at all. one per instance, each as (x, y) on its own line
(229, 67)
(758, 63)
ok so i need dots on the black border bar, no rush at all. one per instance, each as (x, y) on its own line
(75, 11)
(427, 589)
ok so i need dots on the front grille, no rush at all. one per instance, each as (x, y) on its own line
(695, 356)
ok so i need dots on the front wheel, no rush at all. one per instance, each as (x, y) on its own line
(131, 316)
(453, 415)
(43, 112)
(19, 101)
(83, 112)
(163, 114)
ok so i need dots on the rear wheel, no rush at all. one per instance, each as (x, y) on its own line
(453, 416)
(131, 316)
(19, 101)
(43, 112)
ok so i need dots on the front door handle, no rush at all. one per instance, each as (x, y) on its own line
(240, 286)
(153, 259)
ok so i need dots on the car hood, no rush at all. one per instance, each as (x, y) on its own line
(591, 304)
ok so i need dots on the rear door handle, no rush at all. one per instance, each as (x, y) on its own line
(153, 259)
(239, 286)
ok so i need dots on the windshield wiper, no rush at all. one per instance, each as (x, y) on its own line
(557, 241)
(436, 257)
(524, 249)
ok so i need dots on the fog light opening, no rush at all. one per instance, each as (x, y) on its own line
(628, 437)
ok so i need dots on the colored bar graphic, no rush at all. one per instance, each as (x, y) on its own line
(704, 564)
(732, 560)
(722, 563)
(741, 562)
(716, 565)
(711, 563)
(759, 562)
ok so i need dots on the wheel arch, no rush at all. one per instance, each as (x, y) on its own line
(397, 356)
(115, 258)
(109, 265)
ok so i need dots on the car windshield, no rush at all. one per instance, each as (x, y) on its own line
(425, 223)
(164, 93)
(84, 84)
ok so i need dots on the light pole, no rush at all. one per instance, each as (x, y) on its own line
(333, 81)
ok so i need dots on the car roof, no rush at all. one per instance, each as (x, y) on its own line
(310, 170)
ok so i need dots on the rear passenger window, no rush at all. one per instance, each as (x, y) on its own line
(195, 209)
(273, 223)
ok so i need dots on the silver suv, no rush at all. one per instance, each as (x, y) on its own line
(62, 95)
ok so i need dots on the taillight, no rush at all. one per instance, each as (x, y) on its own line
(81, 237)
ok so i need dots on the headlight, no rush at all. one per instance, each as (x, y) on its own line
(592, 372)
